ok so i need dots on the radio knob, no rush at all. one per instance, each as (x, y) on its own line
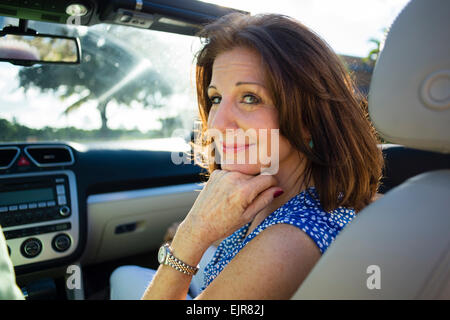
(30, 248)
(61, 242)
(64, 211)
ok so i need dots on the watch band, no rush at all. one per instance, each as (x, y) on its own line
(179, 265)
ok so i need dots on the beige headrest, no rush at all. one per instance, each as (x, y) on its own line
(409, 99)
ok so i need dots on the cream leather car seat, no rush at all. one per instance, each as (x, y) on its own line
(399, 246)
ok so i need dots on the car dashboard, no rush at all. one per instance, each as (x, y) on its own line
(61, 204)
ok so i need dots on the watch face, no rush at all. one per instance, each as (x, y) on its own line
(162, 254)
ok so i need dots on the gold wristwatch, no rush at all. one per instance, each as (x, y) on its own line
(166, 257)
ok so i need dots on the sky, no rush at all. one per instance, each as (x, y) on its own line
(346, 25)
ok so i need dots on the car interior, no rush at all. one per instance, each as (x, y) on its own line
(66, 205)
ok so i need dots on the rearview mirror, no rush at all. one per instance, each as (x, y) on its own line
(28, 49)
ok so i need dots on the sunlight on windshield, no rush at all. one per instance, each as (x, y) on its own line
(142, 66)
(132, 84)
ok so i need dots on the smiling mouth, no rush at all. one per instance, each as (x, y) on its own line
(235, 148)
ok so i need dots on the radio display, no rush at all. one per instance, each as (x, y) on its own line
(25, 196)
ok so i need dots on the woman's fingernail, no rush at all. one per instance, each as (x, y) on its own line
(278, 193)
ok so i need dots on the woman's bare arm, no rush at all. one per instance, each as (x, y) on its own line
(271, 266)
(227, 202)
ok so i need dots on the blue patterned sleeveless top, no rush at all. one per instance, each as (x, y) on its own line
(303, 211)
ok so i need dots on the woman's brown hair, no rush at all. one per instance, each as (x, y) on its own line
(315, 98)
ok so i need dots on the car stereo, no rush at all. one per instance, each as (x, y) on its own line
(39, 215)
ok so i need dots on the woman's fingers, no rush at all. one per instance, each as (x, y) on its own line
(228, 200)
(260, 202)
(262, 190)
(258, 184)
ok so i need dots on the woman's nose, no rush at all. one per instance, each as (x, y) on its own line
(223, 116)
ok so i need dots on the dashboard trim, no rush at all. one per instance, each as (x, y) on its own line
(142, 193)
(14, 159)
(46, 165)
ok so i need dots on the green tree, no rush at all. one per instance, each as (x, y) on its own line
(373, 54)
(109, 71)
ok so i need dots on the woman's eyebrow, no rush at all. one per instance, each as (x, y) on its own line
(240, 83)
(253, 83)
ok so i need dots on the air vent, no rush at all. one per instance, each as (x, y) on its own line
(7, 156)
(50, 156)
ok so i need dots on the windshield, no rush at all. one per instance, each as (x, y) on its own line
(135, 87)
(132, 84)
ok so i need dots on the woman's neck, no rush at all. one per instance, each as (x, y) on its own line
(290, 179)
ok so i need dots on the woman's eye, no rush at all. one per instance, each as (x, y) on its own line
(250, 99)
(215, 100)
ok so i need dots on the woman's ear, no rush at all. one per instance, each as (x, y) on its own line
(307, 138)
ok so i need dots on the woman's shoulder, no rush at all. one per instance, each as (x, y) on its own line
(305, 212)
(306, 206)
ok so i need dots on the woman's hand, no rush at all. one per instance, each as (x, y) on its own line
(171, 231)
(228, 201)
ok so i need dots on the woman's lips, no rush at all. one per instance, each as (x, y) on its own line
(235, 148)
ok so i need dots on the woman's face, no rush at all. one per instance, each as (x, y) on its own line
(243, 119)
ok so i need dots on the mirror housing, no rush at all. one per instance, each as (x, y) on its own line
(27, 48)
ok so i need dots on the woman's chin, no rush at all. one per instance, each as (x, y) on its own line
(249, 169)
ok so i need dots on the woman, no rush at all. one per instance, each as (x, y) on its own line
(270, 76)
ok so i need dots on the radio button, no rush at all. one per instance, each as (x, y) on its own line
(31, 248)
(23, 206)
(64, 211)
(60, 189)
(13, 208)
(42, 204)
(3, 209)
(62, 226)
(32, 205)
(61, 242)
(62, 200)
(51, 203)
